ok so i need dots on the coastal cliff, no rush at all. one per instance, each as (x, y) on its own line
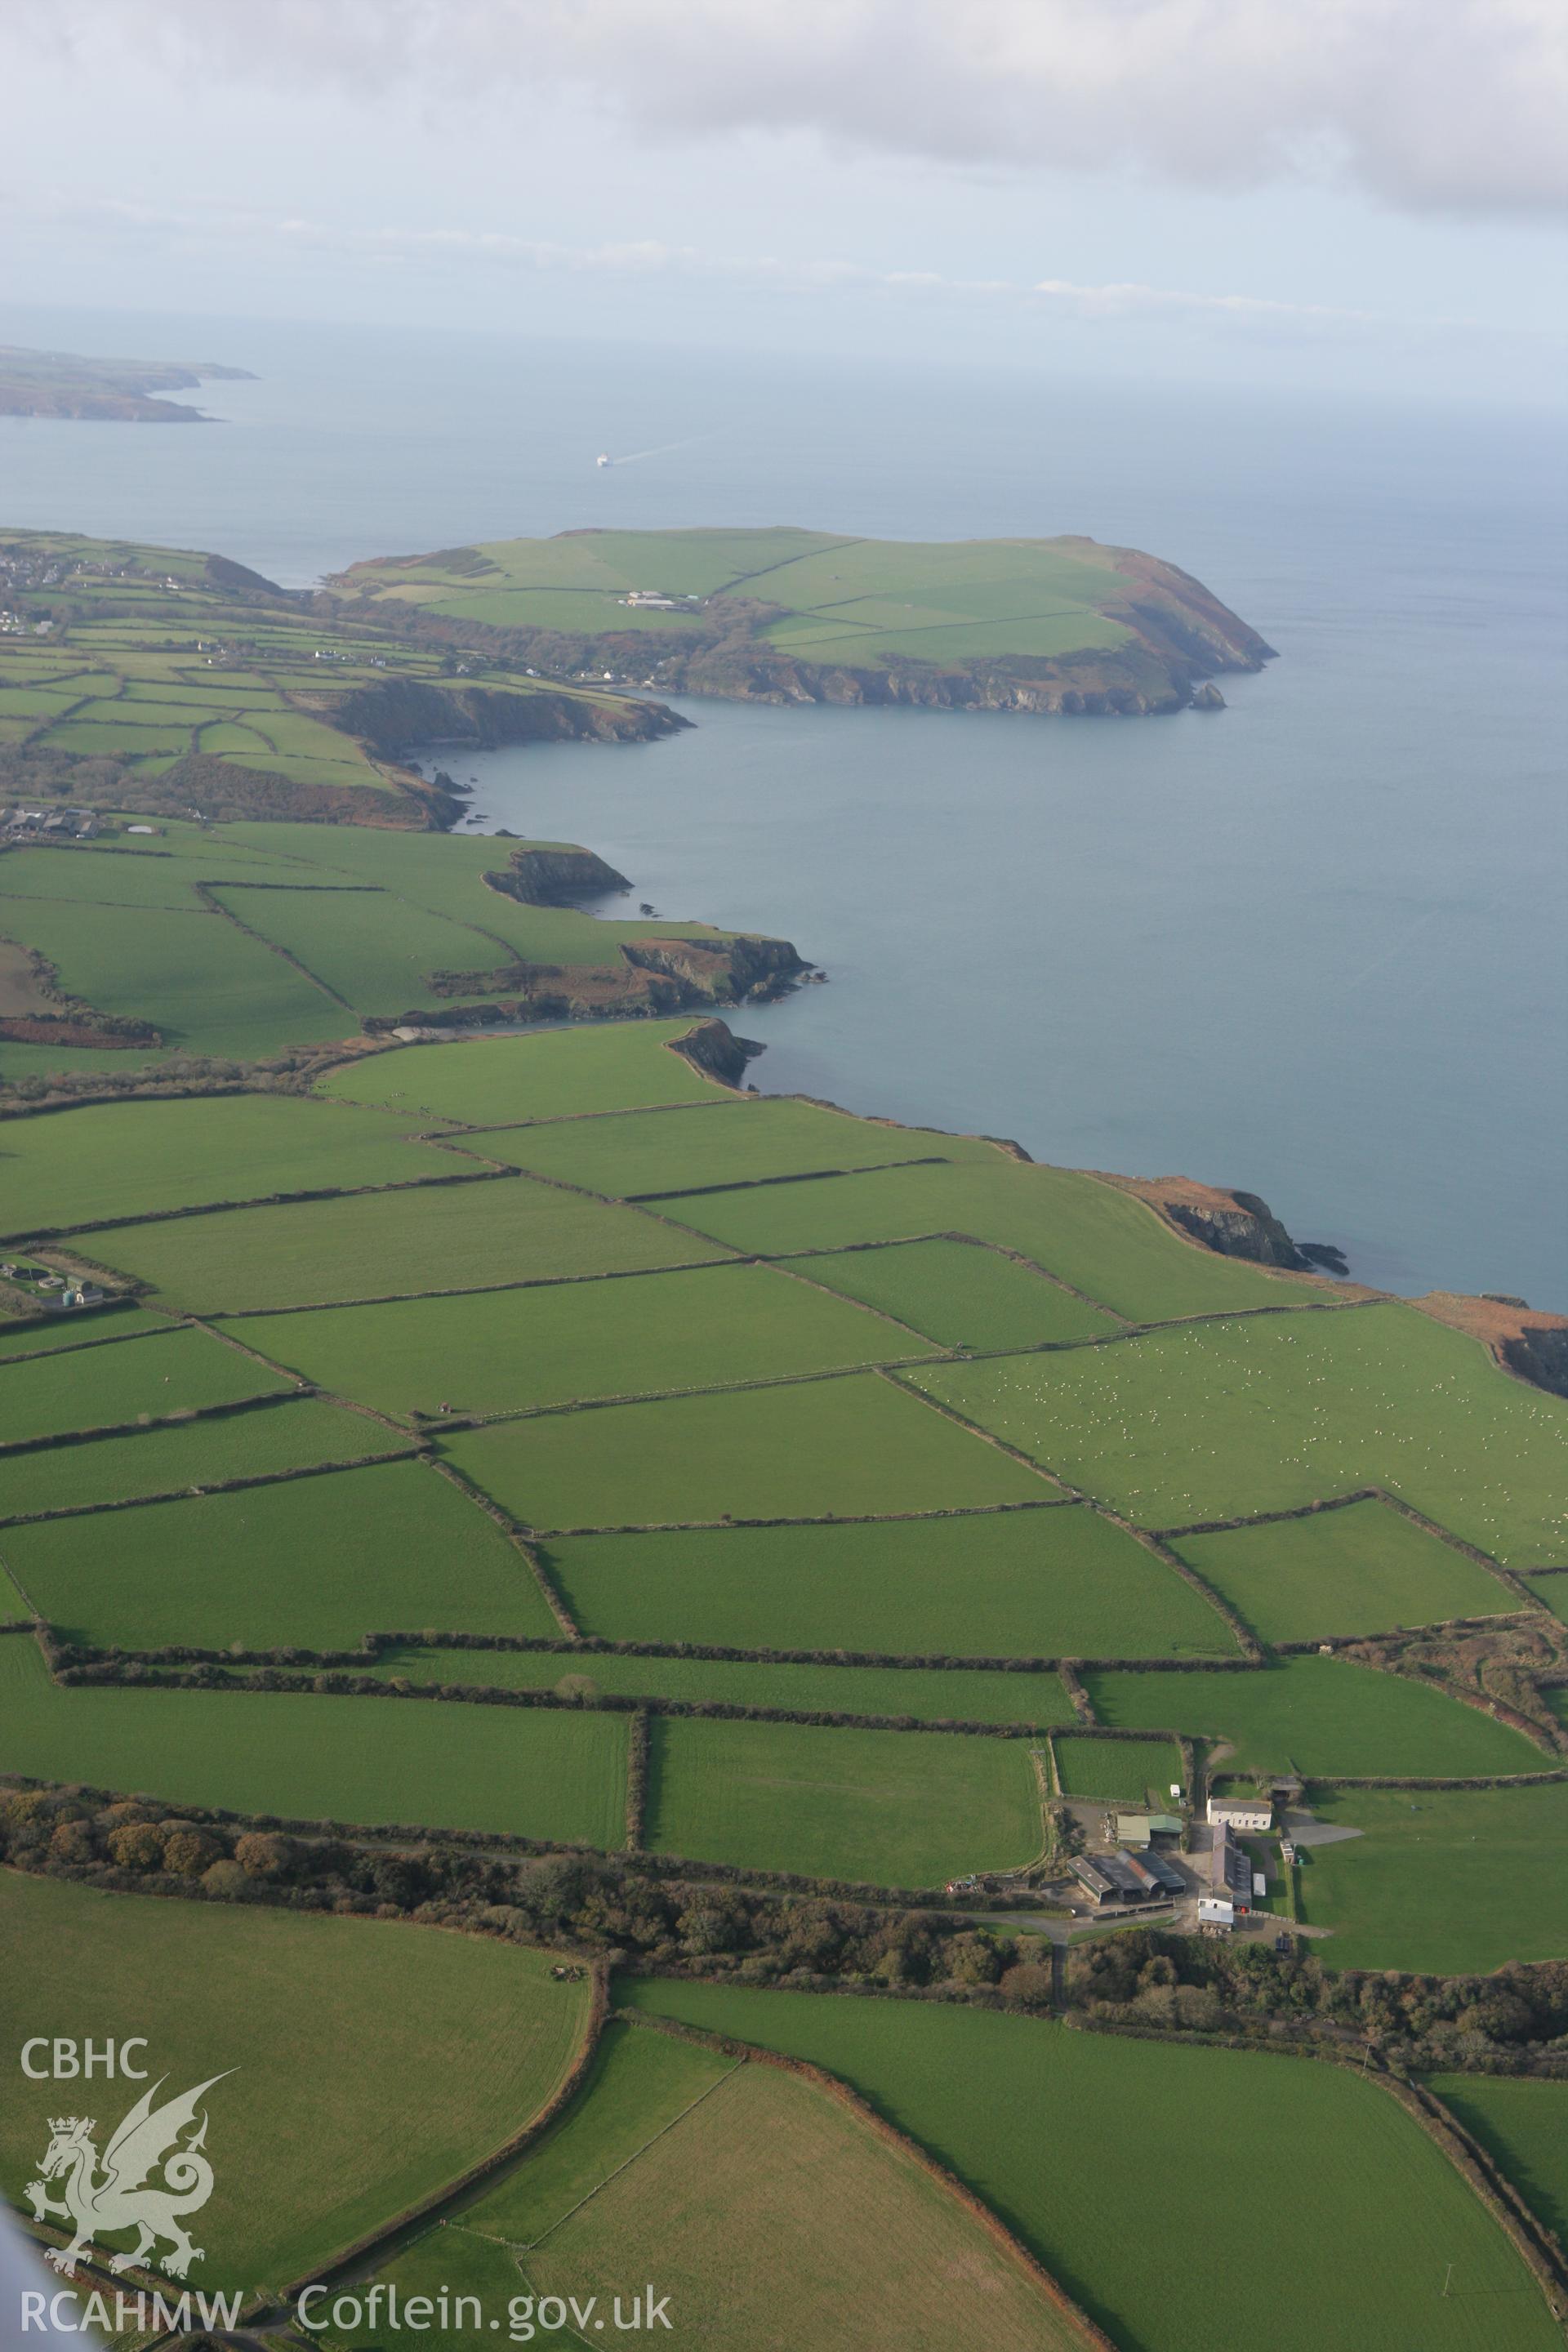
(393, 715)
(1231, 1223)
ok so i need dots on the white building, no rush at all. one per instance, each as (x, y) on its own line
(1242, 1812)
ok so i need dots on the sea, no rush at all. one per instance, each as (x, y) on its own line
(1312, 945)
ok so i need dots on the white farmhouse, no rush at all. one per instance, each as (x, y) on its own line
(1245, 1813)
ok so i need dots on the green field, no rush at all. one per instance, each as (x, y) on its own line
(936, 1695)
(542, 1772)
(1450, 1880)
(1551, 1590)
(312, 1564)
(129, 1158)
(820, 1448)
(958, 1295)
(46, 1335)
(466, 1237)
(189, 1453)
(105, 1388)
(639, 2085)
(889, 1808)
(205, 986)
(1100, 1240)
(559, 1074)
(1316, 1716)
(804, 2226)
(641, 1154)
(1272, 1412)
(820, 2234)
(1059, 1582)
(411, 2054)
(843, 599)
(1523, 2126)
(1364, 1570)
(374, 952)
(502, 1349)
(1071, 2136)
(1118, 1771)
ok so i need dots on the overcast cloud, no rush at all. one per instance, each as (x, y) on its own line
(1456, 105)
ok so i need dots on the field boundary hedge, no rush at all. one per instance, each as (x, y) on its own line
(430, 2208)
(216, 1487)
(518, 1540)
(833, 2087)
(180, 1418)
(335, 1683)
(637, 1780)
(42, 1234)
(472, 1289)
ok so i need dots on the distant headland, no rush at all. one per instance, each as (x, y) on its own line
(790, 615)
(104, 390)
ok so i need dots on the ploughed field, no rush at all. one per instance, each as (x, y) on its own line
(533, 1436)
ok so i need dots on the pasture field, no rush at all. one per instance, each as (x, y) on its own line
(102, 1388)
(377, 953)
(189, 1454)
(46, 1335)
(556, 1074)
(412, 2054)
(1450, 1881)
(310, 1564)
(1321, 1716)
(104, 875)
(1057, 1582)
(205, 986)
(445, 875)
(1551, 1590)
(770, 2214)
(1523, 2126)
(287, 1436)
(752, 1140)
(934, 1693)
(1101, 1240)
(1269, 1412)
(889, 1808)
(319, 1252)
(639, 2083)
(544, 1772)
(453, 2259)
(1364, 1569)
(960, 1296)
(1066, 2134)
(129, 1158)
(819, 1448)
(780, 2218)
(497, 1351)
(853, 600)
(1118, 1771)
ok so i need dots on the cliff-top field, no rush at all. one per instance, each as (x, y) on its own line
(1043, 624)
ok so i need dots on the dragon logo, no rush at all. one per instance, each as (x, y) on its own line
(99, 2202)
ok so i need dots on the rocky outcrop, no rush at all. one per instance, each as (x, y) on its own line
(555, 876)
(712, 1047)
(1231, 1223)
(723, 971)
(1525, 1340)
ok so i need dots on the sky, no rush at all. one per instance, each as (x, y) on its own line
(1366, 194)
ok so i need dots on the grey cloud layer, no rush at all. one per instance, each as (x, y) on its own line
(1430, 104)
